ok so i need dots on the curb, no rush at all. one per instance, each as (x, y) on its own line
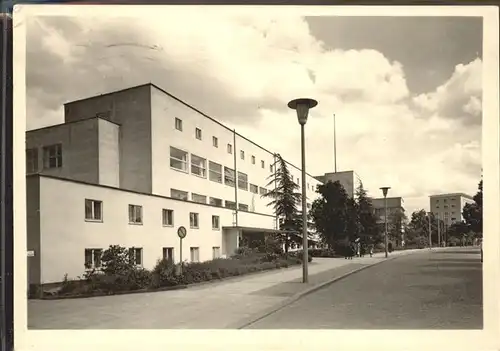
(260, 315)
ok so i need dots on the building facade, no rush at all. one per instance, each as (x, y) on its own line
(348, 179)
(128, 168)
(395, 216)
(449, 207)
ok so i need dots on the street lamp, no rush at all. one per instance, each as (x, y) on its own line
(302, 106)
(385, 189)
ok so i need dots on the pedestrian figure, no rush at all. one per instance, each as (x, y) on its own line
(371, 250)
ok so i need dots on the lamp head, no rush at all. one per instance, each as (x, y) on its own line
(302, 106)
(385, 189)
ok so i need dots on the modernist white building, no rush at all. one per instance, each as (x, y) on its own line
(129, 168)
(449, 207)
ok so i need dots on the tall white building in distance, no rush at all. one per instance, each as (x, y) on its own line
(129, 168)
(449, 207)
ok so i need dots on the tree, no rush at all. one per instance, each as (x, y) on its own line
(397, 221)
(473, 212)
(368, 227)
(331, 213)
(285, 198)
(419, 227)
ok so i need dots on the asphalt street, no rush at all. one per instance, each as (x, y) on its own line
(428, 290)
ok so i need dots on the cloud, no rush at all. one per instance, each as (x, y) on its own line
(243, 70)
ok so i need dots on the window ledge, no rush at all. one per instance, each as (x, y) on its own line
(199, 176)
(216, 229)
(135, 223)
(94, 220)
(179, 170)
(194, 227)
(168, 225)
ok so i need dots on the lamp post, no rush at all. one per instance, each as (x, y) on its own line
(385, 189)
(302, 106)
(430, 230)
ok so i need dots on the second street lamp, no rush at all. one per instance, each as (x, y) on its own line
(302, 106)
(385, 189)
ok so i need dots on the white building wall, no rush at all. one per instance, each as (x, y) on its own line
(451, 204)
(109, 153)
(65, 233)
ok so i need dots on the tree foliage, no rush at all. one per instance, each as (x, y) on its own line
(366, 215)
(473, 212)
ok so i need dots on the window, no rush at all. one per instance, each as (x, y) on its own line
(445, 206)
(262, 164)
(437, 206)
(93, 258)
(93, 210)
(215, 252)
(167, 217)
(215, 222)
(307, 185)
(215, 202)
(135, 255)
(231, 205)
(243, 207)
(262, 191)
(254, 188)
(179, 194)
(31, 161)
(195, 254)
(445, 200)
(201, 199)
(242, 154)
(178, 124)
(229, 148)
(452, 205)
(242, 181)
(178, 159)
(215, 142)
(271, 168)
(229, 176)
(253, 160)
(52, 156)
(298, 180)
(135, 214)
(197, 133)
(168, 254)
(198, 166)
(215, 172)
(194, 220)
(453, 219)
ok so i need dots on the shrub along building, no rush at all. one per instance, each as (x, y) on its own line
(129, 168)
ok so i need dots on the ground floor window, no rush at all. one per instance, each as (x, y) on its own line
(136, 255)
(93, 258)
(215, 252)
(195, 254)
(168, 254)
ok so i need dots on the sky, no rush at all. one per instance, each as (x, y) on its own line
(406, 92)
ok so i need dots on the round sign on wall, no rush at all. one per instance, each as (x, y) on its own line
(182, 232)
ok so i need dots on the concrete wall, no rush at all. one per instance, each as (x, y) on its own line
(65, 233)
(346, 178)
(79, 149)
(33, 217)
(131, 109)
(109, 153)
(449, 207)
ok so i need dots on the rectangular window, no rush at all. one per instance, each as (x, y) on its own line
(135, 255)
(215, 252)
(254, 188)
(178, 159)
(215, 222)
(262, 191)
(229, 176)
(93, 258)
(195, 254)
(201, 199)
(198, 166)
(231, 205)
(243, 207)
(298, 181)
(135, 214)
(215, 142)
(242, 181)
(242, 154)
(178, 124)
(168, 254)
(229, 148)
(215, 172)
(262, 164)
(31, 161)
(93, 210)
(253, 160)
(52, 156)
(215, 202)
(194, 220)
(179, 194)
(271, 168)
(167, 217)
(197, 133)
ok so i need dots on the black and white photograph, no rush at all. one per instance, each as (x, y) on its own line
(278, 169)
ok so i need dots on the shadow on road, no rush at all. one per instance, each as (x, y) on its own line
(459, 252)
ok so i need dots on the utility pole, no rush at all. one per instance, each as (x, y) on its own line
(335, 143)
(439, 230)
(430, 230)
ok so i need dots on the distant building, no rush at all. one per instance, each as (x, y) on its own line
(395, 206)
(348, 179)
(449, 207)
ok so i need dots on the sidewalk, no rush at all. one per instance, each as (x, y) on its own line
(224, 304)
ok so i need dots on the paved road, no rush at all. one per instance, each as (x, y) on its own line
(429, 290)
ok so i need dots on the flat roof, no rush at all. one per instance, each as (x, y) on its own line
(453, 194)
(188, 106)
(72, 122)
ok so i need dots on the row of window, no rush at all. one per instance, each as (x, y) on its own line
(446, 206)
(93, 257)
(52, 158)
(94, 212)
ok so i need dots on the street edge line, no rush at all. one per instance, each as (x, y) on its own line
(265, 313)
